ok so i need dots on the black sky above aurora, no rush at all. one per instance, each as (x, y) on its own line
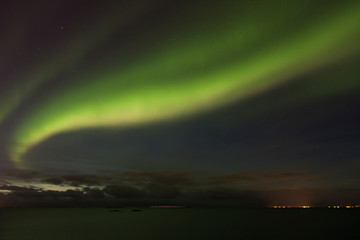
(159, 102)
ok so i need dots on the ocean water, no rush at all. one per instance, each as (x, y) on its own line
(184, 223)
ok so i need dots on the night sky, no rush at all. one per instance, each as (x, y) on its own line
(196, 103)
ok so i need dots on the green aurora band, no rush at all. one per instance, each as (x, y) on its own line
(66, 55)
(192, 74)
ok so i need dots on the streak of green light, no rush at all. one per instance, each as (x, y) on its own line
(161, 87)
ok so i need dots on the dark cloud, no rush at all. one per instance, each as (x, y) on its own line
(170, 178)
(29, 196)
(29, 193)
(73, 194)
(3, 181)
(74, 180)
(123, 195)
(164, 177)
(11, 188)
(123, 191)
(54, 180)
(263, 177)
(21, 174)
(94, 193)
(77, 180)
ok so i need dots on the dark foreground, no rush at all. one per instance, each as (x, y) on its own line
(187, 223)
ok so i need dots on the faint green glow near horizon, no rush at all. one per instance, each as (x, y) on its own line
(160, 87)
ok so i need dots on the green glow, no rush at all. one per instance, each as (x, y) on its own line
(66, 55)
(188, 76)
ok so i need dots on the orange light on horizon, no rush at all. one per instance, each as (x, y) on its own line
(284, 206)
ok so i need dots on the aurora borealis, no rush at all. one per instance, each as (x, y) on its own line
(242, 95)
